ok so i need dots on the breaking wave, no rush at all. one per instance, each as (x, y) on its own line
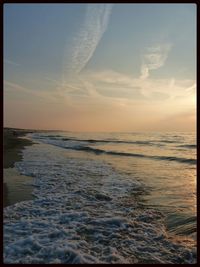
(188, 146)
(83, 145)
(85, 211)
(100, 151)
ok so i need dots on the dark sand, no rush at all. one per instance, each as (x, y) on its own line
(14, 189)
(13, 145)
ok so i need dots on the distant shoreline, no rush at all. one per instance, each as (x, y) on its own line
(24, 131)
(13, 145)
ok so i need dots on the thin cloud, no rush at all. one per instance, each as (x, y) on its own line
(18, 88)
(154, 58)
(147, 89)
(85, 43)
(10, 62)
(52, 80)
(191, 89)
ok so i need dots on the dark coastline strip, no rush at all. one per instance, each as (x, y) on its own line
(13, 146)
(12, 152)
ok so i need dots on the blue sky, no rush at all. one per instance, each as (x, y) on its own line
(81, 59)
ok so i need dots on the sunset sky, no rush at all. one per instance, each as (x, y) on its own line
(100, 67)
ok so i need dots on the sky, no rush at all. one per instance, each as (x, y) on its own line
(100, 67)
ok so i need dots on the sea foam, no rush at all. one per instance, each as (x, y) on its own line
(84, 211)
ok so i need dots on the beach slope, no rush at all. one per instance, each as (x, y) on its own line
(13, 145)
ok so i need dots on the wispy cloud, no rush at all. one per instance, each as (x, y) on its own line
(84, 44)
(10, 62)
(114, 84)
(52, 80)
(191, 89)
(154, 58)
(14, 87)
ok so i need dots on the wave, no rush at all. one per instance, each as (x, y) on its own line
(98, 151)
(78, 219)
(108, 141)
(169, 141)
(182, 226)
(57, 137)
(138, 142)
(188, 146)
(101, 151)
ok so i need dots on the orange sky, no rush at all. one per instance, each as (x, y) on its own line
(100, 67)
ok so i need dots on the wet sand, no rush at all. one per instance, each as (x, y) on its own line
(14, 187)
(13, 145)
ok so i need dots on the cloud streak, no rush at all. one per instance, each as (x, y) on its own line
(154, 58)
(84, 44)
(10, 62)
(126, 86)
(14, 87)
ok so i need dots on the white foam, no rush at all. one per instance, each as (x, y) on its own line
(84, 212)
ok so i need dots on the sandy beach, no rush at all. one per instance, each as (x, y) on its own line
(100, 133)
(90, 203)
(14, 189)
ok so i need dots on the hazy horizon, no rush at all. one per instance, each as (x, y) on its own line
(59, 130)
(100, 67)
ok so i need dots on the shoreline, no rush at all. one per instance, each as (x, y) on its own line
(97, 220)
(13, 144)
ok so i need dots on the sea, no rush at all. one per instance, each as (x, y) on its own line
(105, 198)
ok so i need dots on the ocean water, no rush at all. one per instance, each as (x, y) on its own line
(105, 198)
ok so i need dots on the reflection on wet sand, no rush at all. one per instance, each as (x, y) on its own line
(16, 187)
